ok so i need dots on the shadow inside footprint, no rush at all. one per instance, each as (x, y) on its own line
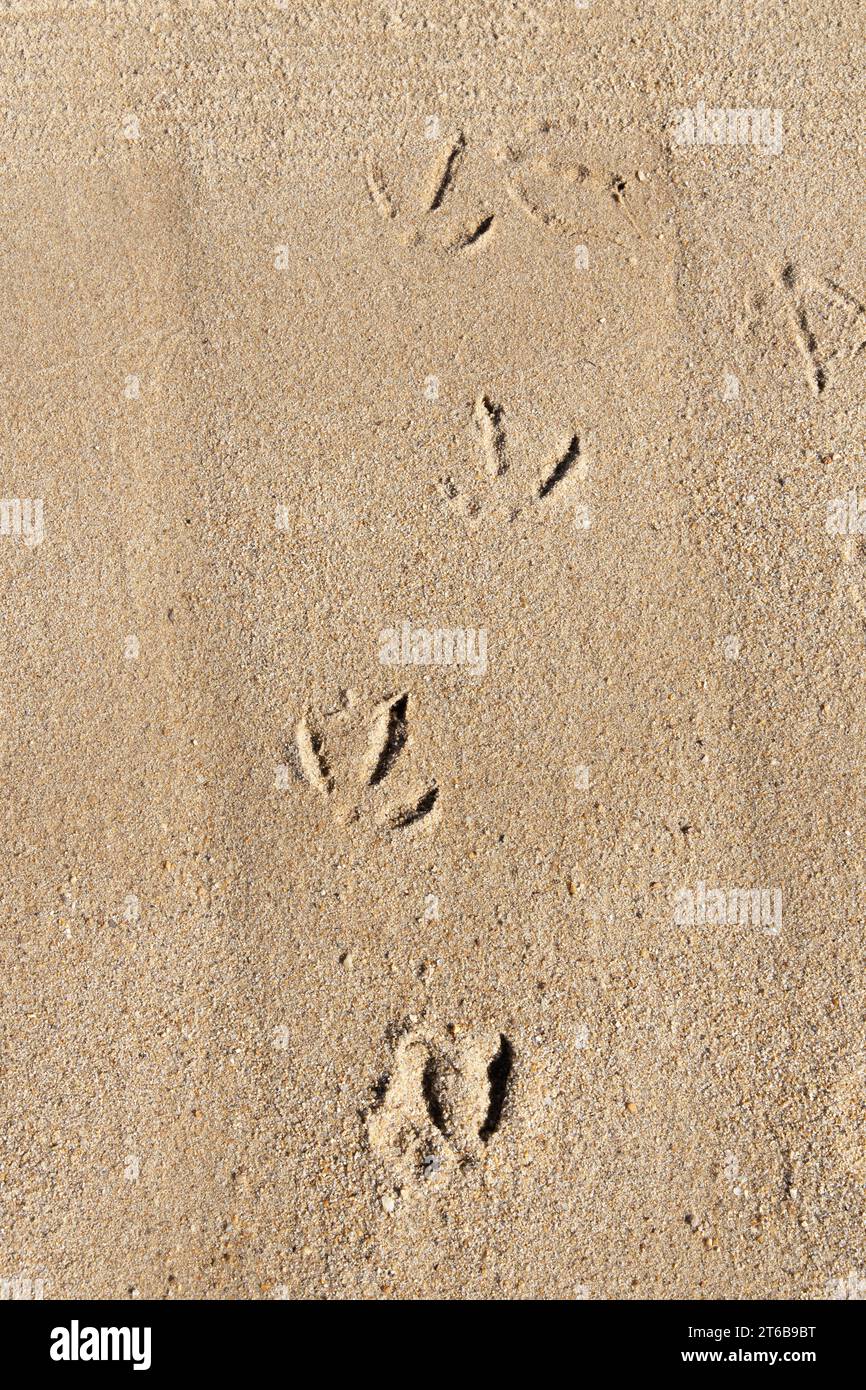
(499, 1077)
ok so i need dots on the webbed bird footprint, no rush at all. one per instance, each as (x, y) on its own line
(828, 322)
(442, 1101)
(432, 222)
(501, 485)
(358, 778)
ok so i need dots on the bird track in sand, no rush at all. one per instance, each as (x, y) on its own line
(441, 1103)
(827, 323)
(501, 481)
(428, 223)
(352, 784)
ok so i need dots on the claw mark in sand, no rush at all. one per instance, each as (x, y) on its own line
(431, 1081)
(488, 418)
(444, 176)
(805, 337)
(387, 739)
(312, 759)
(564, 466)
(375, 187)
(472, 238)
(408, 815)
(499, 1078)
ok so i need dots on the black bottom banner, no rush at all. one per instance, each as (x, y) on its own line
(163, 1339)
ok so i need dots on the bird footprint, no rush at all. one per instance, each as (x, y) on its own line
(430, 223)
(499, 482)
(542, 179)
(442, 1101)
(829, 325)
(356, 783)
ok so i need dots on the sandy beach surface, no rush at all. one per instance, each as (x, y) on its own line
(432, 650)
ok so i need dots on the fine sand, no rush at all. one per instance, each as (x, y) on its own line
(433, 659)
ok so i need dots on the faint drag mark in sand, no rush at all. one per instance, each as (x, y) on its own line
(152, 342)
(828, 325)
(502, 488)
(151, 548)
(360, 780)
(441, 1104)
